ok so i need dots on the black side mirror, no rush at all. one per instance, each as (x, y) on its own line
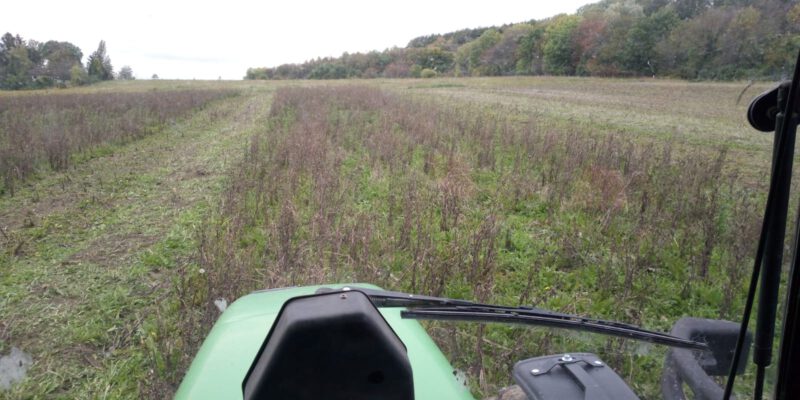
(696, 368)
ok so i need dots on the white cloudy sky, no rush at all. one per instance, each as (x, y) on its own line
(207, 40)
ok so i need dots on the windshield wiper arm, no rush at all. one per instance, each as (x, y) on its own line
(554, 320)
(440, 308)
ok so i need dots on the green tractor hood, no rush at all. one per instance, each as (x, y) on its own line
(228, 352)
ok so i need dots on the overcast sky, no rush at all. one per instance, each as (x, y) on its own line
(205, 40)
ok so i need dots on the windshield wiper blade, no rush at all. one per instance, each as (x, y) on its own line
(440, 308)
(430, 307)
(554, 320)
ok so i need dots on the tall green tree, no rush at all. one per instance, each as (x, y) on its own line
(78, 76)
(559, 54)
(639, 55)
(432, 58)
(330, 71)
(692, 49)
(18, 69)
(469, 57)
(10, 62)
(740, 49)
(99, 64)
(60, 57)
(530, 51)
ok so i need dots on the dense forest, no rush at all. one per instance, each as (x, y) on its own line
(29, 64)
(690, 39)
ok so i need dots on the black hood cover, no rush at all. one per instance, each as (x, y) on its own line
(330, 346)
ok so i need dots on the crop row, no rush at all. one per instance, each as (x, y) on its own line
(46, 131)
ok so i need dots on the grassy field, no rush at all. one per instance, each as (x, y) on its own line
(624, 199)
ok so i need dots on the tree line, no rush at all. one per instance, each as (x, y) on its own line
(29, 64)
(689, 39)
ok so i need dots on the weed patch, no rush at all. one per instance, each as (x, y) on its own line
(55, 131)
(352, 183)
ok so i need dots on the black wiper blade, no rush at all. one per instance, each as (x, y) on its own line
(554, 320)
(440, 308)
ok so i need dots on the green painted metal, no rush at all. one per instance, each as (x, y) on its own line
(224, 358)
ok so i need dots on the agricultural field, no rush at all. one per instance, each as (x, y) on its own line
(633, 200)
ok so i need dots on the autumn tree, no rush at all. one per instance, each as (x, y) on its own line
(590, 36)
(502, 57)
(694, 39)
